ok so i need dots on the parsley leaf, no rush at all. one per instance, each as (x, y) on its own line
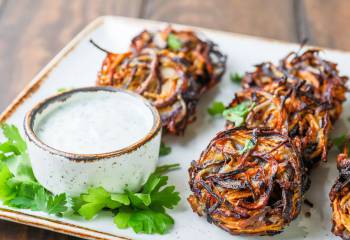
(121, 198)
(173, 42)
(164, 149)
(94, 201)
(238, 114)
(122, 218)
(236, 78)
(149, 221)
(143, 211)
(57, 204)
(216, 108)
(166, 197)
(14, 137)
(144, 221)
(6, 191)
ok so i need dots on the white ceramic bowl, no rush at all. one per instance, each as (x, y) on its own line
(71, 173)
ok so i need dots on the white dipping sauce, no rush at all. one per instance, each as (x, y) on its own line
(94, 122)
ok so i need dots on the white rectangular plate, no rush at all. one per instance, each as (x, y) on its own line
(77, 66)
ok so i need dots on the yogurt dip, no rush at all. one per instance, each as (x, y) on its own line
(103, 122)
(93, 137)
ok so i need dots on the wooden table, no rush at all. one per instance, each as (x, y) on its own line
(33, 31)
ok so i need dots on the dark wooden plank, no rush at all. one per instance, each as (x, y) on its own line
(270, 18)
(327, 23)
(33, 31)
(16, 231)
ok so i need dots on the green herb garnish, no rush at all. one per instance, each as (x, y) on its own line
(164, 149)
(216, 108)
(236, 77)
(341, 141)
(18, 186)
(348, 119)
(143, 211)
(249, 144)
(238, 114)
(62, 90)
(173, 42)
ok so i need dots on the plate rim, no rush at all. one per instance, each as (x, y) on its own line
(18, 216)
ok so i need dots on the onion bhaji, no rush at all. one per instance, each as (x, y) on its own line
(322, 78)
(172, 76)
(248, 190)
(252, 177)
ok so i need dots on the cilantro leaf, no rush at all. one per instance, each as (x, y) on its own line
(216, 108)
(164, 149)
(236, 78)
(174, 43)
(238, 114)
(249, 144)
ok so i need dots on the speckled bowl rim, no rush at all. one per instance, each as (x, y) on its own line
(41, 106)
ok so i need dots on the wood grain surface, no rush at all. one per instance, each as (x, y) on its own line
(33, 31)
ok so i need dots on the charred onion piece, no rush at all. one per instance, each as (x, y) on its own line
(252, 190)
(293, 111)
(173, 80)
(340, 197)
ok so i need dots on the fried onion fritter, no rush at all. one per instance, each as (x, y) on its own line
(257, 191)
(172, 79)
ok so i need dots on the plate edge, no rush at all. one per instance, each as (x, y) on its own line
(35, 83)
